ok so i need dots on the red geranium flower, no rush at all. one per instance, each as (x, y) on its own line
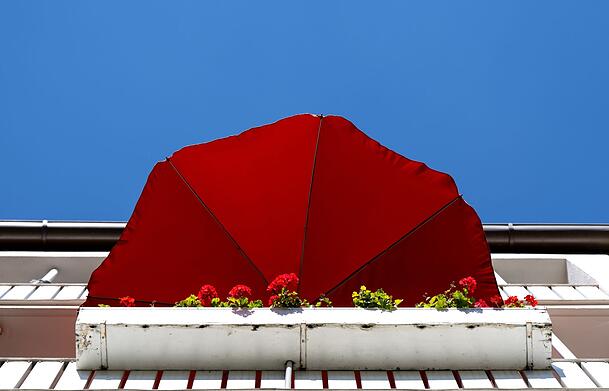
(206, 294)
(468, 283)
(513, 301)
(496, 300)
(531, 300)
(480, 304)
(240, 291)
(289, 281)
(126, 301)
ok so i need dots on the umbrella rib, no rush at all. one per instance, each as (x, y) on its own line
(306, 225)
(228, 235)
(405, 236)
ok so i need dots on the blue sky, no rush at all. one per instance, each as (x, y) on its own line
(510, 98)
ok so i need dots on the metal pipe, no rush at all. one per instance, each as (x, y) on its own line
(289, 366)
(502, 238)
(47, 278)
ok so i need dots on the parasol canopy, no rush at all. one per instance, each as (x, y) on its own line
(308, 194)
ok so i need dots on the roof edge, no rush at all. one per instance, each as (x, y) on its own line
(46, 235)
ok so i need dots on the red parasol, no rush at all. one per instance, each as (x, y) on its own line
(307, 194)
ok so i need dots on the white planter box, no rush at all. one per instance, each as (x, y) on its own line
(315, 339)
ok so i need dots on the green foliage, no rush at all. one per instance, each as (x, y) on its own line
(190, 301)
(288, 299)
(255, 304)
(451, 298)
(323, 301)
(231, 302)
(216, 302)
(239, 302)
(365, 298)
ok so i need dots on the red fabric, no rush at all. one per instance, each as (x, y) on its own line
(307, 195)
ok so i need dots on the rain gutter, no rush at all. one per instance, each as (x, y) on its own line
(502, 238)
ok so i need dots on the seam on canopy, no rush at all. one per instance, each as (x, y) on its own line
(306, 225)
(228, 235)
(404, 237)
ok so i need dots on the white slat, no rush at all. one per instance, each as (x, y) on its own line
(374, 380)
(342, 380)
(43, 375)
(441, 380)
(503, 294)
(572, 375)
(19, 292)
(408, 380)
(272, 379)
(518, 291)
(174, 380)
(509, 379)
(592, 292)
(84, 294)
(4, 289)
(106, 380)
(72, 379)
(44, 292)
(597, 371)
(207, 380)
(308, 380)
(543, 293)
(12, 372)
(70, 292)
(475, 379)
(141, 380)
(567, 292)
(241, 379)
(499, 279)
(542, 379)
(561, 348)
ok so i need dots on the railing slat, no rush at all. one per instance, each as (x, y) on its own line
(342, 380)
(441, 380)
(374, 380)
(598, 371)
(207, 380)
(12, 373)
(475, 379)
(567, 292)
(543, 293)
(308, 380)
(174, 380)
(272, 379)
(141, 380)
(241, 379)
(572, 375)
(72, 379)
(508, 379)
(592, 292)
(542, 379)
(518, 291)
(44, 292)
(70, 292)
(408, 380)
(20, 292)
(43, 375)
(4, 289)
(106, 380)
(503, 294)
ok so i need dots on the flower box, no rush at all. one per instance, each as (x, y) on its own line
(312, 338)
